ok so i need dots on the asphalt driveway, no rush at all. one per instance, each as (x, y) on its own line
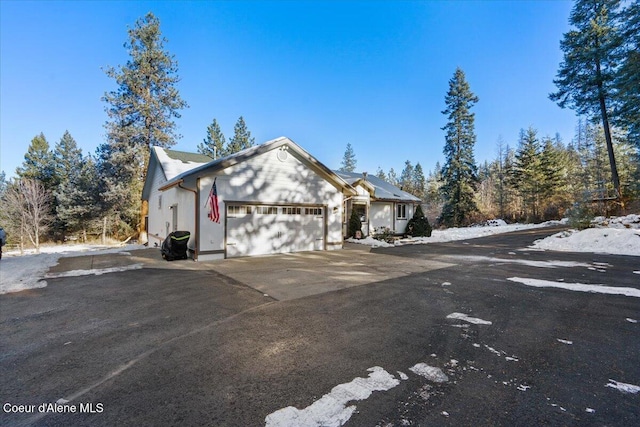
(201, 344)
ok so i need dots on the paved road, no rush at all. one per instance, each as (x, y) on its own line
(180, 346)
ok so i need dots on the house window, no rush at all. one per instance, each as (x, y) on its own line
(313, 211)
(401, 212)
(266, 210)
(292, 211)
(238, 210)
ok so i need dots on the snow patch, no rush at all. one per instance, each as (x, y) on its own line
(429, 372)
(331, 409)
(464, 317)
(93, 271)
(579, 287)
(529, 263)
(623, 241)
(370, 241)
(21, 272)
(623, 387)
(403, 376)
(630, 320)
(564, 341)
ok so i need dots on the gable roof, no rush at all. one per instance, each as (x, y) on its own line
(382, 190)
(172, 163)
(241, 156)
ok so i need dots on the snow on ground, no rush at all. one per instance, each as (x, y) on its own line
(618, 241)
(429, 372)
(615, 235)
(18, 273)
(331, 409)
(464, 317)
(579, 287)
(623, 387)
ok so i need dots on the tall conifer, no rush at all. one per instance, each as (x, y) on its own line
(459, 173)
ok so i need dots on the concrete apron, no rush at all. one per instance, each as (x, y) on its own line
(282, 277)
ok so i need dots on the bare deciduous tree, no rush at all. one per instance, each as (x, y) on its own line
(27, 210)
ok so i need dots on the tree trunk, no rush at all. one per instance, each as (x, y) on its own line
(607, 134)
(104, 230)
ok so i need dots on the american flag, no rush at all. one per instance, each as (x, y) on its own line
(214, 211)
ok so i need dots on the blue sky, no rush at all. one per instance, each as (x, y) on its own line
(323, 73)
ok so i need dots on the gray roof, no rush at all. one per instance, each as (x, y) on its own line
(222, 163)
(382, 189)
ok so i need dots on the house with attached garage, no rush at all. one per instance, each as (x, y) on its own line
(379, 205)
(270, 198)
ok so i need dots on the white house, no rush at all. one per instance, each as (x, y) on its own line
(270, 198)
(379, 204)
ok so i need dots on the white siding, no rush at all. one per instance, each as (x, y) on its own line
(381, 216)
(266, 179)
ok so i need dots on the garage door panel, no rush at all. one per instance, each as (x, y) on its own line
(258, 230)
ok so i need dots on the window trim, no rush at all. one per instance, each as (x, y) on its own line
(401, 211)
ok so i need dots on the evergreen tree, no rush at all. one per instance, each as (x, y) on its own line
(628, 77)
(241, 138)
(380, 174)
(419, 182)
(141, 114)
(78, 199)
(587, 74)
(418, 225)
(406, 177)
(554, 185)
(392, 177)
(67, 163)
(3, 183)
(38, 162)
(214, 145)
(349, 161)
(459, 173)
(528, 175)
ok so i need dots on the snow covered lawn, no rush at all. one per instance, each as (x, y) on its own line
(18, 273)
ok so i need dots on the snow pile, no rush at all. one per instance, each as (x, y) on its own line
(629, 221)
(617, 241)
(18, 273)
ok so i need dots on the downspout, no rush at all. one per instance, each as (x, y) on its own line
(197, 212)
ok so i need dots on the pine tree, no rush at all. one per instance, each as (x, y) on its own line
(241, 138)
(586, 76)
(214, 145)
(38, 162)
(141, 114)
(406, 178)
(459, 173)
(628, 77)
(380, 174)
(528, 175)
(392, 177)
(419, 182)
(554, 185)
(78, 199)
(349, 161)
(67, 163)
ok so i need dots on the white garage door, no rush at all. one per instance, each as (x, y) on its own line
(259, 230)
